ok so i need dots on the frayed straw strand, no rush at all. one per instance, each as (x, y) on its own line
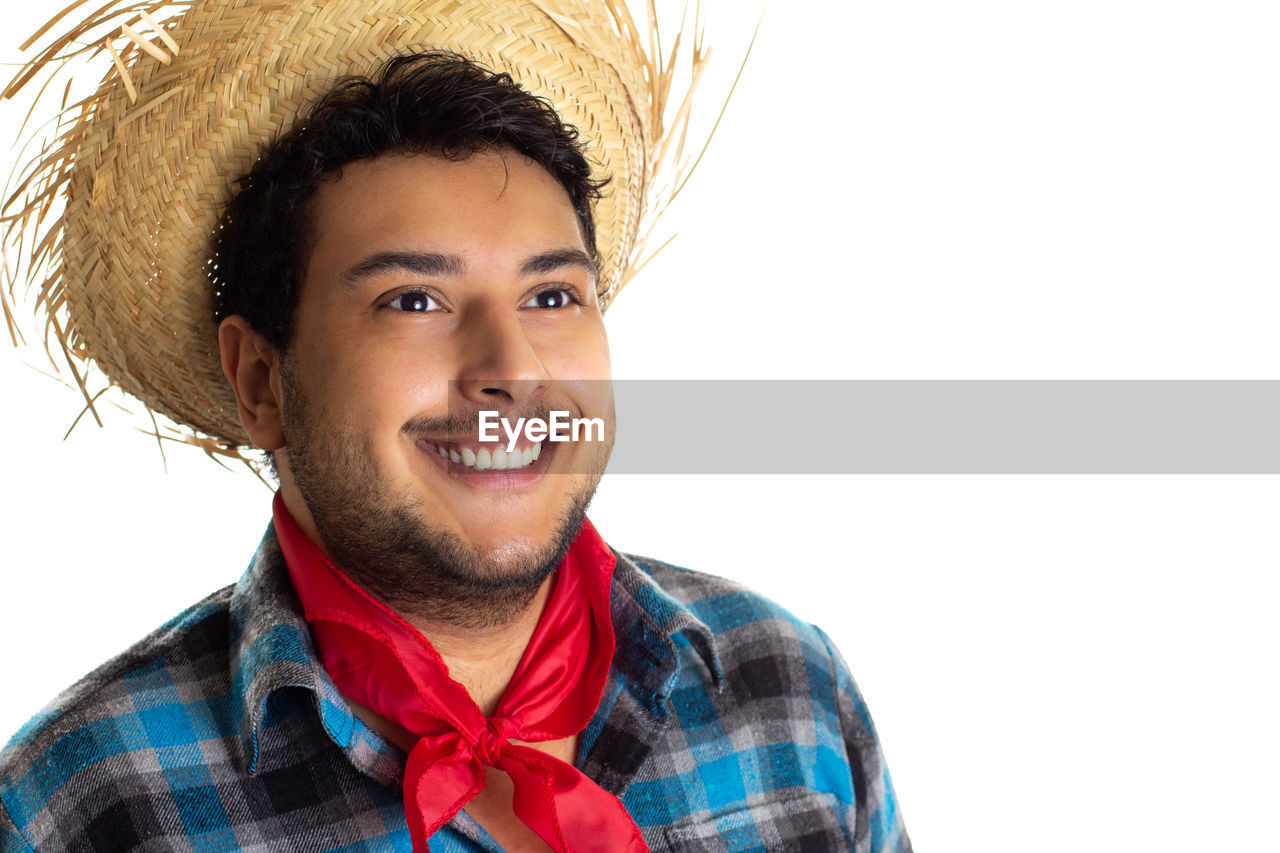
(15, 332)
(87, 406)
(53, 22)
(71, 364)
(155, 428)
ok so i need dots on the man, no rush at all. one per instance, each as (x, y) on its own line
(432, 647)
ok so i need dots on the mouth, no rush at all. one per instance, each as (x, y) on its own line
(485, 457)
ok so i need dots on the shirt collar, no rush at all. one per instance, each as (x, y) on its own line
(650, 624)
(271, 650)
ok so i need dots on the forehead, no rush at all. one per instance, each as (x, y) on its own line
(430, 202)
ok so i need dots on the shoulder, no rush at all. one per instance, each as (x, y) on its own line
(155, 693)
(762, 659)
(744, 623)
(182, 647)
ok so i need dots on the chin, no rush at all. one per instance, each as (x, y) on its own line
(509, 543)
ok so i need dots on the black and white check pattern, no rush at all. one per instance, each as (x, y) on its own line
(726, 725)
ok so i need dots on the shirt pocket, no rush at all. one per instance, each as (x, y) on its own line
(794, 822)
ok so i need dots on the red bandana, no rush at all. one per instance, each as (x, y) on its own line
(380, 661)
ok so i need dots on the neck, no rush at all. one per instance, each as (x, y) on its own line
(483, 658)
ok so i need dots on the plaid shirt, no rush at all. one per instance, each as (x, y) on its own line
(726, 725)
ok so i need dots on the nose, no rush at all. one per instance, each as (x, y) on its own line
(500, 364)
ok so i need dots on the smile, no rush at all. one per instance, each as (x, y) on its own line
(478, 458)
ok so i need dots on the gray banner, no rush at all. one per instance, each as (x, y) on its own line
(947, 427)
(911, 426)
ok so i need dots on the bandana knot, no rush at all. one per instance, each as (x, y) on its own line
(489, 745)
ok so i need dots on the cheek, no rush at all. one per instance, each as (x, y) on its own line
(582, 356)
(373, 380)
(583, 370)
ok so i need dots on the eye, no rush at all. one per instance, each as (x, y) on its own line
(414, 301)
(555, 297)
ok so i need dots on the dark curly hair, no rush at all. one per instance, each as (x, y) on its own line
(436, 103)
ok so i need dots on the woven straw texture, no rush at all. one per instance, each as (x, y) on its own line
(193, 90)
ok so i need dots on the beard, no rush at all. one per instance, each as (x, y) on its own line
(381, 539)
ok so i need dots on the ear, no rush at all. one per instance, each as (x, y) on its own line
(251, 366)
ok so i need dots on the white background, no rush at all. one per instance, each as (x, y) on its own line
(898, 190)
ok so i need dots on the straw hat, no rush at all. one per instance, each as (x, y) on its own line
(194, 88)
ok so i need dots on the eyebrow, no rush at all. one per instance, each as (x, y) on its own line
(431, 264)
(436, 265)
(548, 262)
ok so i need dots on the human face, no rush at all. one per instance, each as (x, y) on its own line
(435, 289)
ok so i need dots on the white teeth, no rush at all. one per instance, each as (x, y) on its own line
(484, 459)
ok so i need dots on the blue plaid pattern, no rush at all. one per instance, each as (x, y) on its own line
(726, 725)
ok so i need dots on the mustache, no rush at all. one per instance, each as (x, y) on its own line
(464, 425)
